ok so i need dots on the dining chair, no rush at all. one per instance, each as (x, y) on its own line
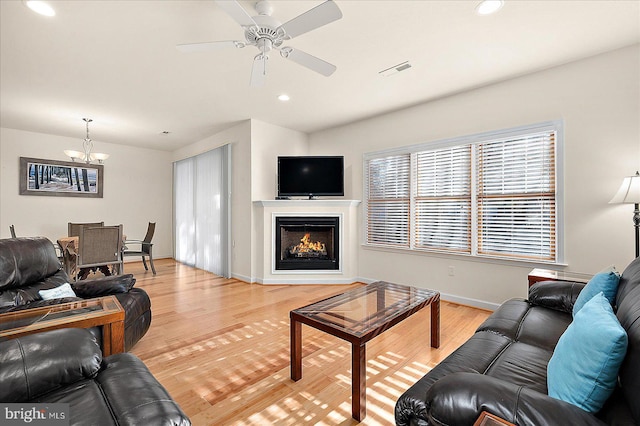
(74, 228)
(146, 247)
(100, 246)
(12, 229)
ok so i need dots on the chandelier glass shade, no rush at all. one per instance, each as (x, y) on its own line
(86, 154)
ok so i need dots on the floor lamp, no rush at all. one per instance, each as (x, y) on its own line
(629, 193)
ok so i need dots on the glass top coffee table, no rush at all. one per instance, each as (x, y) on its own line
(104, 311)
(358, 316)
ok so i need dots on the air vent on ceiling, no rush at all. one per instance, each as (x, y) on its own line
(395, 69)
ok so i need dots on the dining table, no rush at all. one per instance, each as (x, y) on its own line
(69, 246)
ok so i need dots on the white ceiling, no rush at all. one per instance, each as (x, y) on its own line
(116, 62)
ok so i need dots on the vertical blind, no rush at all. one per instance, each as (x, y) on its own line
(492, 198)
(202, 222)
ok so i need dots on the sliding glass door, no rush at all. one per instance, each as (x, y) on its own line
(201, 210)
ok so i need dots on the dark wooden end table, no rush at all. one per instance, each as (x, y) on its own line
(104, 311)
(488, 419)
(537, 275)
(358, 316)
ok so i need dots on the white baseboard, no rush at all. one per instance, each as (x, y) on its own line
(490, 306)
(306, 281)
(243, 278)
(482, 304)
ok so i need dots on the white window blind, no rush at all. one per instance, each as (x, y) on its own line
(388, 200)
(489, 195)
(443, 199)
(516, 197)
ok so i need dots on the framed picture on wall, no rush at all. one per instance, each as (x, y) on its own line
(60, 178)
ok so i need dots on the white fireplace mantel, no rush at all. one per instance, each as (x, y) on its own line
(266, 210)
(307, 203)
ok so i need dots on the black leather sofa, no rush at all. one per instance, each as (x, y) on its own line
(28, 265)
(502, 368)
(66, 367)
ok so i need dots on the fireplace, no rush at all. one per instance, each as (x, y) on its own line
(307, 243)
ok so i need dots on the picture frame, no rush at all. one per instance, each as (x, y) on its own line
(60, 178)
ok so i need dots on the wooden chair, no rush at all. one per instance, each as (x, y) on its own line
(74, 228)
(146, 247)
(100, 246)
(13, 231)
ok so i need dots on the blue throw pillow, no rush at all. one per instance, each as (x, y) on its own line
(583, 369)
(605, 282)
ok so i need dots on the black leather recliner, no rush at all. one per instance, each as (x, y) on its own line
(502, 368)
(66, 366)
(28, 265)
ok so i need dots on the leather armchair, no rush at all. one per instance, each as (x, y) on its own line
(66, 366)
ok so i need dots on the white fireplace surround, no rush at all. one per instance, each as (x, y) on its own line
(266, 213)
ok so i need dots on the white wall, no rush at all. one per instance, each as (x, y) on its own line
(598, 98)
(137, 190)
(267, 143)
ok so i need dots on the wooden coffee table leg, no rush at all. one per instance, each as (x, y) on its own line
(358, 381)
(296, 350)
(435, 323)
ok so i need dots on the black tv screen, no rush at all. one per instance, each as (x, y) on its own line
(310, 176)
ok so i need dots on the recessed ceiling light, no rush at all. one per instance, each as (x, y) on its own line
(487, 7)
(284, 97)
(40, 7)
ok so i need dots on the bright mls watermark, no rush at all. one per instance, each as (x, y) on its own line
(34, 414)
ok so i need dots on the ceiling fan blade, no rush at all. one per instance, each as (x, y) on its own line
(309, 61)
(320, 15)
(208, 46)
(237, 12)
(259, 70)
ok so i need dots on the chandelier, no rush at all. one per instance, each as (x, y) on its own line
(87, 145)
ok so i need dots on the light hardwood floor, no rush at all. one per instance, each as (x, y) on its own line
(221, 349)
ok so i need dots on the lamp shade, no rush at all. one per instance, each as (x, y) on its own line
(629, 192)
(74, 154)
(99, 156)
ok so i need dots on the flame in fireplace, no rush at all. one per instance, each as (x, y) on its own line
(307, 246)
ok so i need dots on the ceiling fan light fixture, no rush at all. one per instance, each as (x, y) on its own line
(40, 7)
(488, 7)
(266, 33)
(284, 97)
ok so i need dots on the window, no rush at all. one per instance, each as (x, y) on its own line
(489, 195)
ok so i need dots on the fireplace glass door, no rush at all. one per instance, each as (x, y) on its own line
(307, 243)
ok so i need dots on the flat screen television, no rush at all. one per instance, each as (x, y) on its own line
(310, 176)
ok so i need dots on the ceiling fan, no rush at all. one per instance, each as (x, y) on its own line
(267, 33)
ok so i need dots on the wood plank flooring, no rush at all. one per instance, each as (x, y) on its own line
(221, 349)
